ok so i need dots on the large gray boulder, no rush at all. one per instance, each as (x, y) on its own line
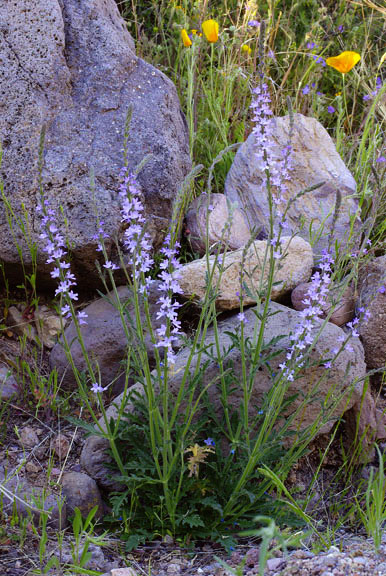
(314, 160)
(372, 289)
(320, 391)
(71, 66)
(104, 339)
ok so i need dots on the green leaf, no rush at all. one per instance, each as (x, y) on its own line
(193, 520)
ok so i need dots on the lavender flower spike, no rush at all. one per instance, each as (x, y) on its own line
(55, 249)
(136, 241)
(170, 273)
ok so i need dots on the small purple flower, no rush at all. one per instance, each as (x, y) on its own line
(254, 23)
(381, 159)
(331, 110)
(310, 45)
(382, 290)
(97, 388)
(242, 318)
(306, 89)
(210, 442)
(110, 265)
(340, 28)
(366, 97)
(82, 317)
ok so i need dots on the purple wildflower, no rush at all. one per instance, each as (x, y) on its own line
(100, 236)
(96, 388)
(311, 45)
(169, 331)
(55, 248)
(306, 90)
(242, 318)
(136, 241)
(381, 159)
(210, 442)
(110, 265)
(315, 300)
(331, 110)
(382, 290)
(254, 23)
(267, 162)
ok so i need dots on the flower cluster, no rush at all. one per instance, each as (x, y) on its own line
(315, 300)
(373, 94)
(55, 248)
(136, 241)
(170, 272)
(277, 169)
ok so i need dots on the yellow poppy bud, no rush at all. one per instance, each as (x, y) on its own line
(185, 38)
(246, 48)
(194, 32)
(210, 29)
(344, 62)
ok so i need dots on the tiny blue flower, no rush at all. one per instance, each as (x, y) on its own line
(210, 442)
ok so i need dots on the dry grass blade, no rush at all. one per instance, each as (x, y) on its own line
(370, 4)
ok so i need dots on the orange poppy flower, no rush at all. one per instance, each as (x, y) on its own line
(185, 38)
(210, 29)
(344, 62)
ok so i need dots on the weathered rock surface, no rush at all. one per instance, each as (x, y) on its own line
(79, 78)
(104, 339)
(81, 491)
(343, 303)
(314, 160)
(20, 325)
(20, 494)
(8, 384)
(321, 389)
(213, 216)
(48, 326)
(294, 268)
(372, 290)
(28, 437)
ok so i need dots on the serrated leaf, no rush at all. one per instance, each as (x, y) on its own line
(193, 520)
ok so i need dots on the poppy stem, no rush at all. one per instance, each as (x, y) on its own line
(345, 103)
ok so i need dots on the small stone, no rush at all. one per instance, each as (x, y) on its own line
(32, 468)
(8, 383)
(274, 563)
(168, 539)
(40, 452)
(173, 569)
(61, 446)
(216, 218)
(48, 325)
(81, 491)
(20, 325)
(252, 557)
(333, 550)
(123, 572)
(28, 437)
(360, 560)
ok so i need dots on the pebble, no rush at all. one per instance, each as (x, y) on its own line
(61, 446)
(32, 468)
(274, 563)
(28, 437)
